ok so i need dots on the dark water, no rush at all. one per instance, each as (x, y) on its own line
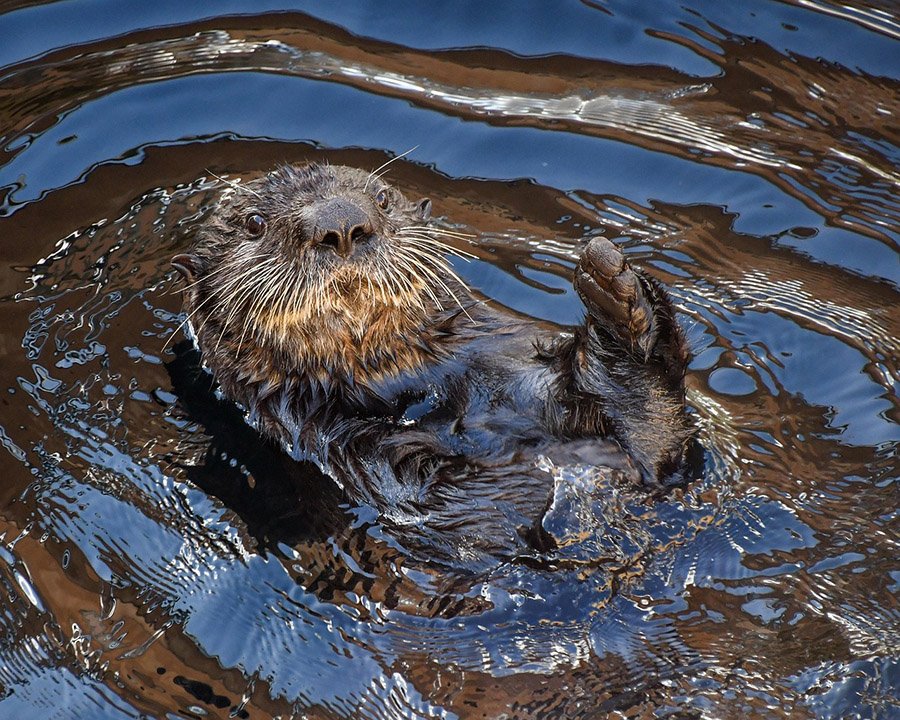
(159, 561)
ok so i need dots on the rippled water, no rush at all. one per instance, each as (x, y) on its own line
(158, 560)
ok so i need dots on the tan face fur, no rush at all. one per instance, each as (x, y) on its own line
(318, 267)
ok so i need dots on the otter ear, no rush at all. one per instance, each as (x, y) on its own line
(188, 265)
(423, 209)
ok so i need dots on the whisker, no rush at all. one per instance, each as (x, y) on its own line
(408, 283)
(281, 307)
(212, 296)
(292, 299)
(271, 287)
(186, 320)
(248, 314)
(413, 270)
(462, 254)
(234, 185)
(432, 233)
(381, 269)
(437, 262)
(224, 266)
(241, 290)
(381, 167)
(429, 264)
(222, 294)
(439, 229)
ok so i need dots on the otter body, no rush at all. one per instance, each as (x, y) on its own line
(323, 304)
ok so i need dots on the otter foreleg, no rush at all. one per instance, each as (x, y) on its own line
(630, 309)
(627, 363)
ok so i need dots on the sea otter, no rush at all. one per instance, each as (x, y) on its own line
(324, 305)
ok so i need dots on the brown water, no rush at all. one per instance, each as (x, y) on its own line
(158, 560)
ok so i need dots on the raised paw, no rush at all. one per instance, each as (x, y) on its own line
(615, 296)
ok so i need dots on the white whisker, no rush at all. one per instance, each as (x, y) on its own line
(233, 184)
(374, 173)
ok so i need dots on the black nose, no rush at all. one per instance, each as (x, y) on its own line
(339, 223)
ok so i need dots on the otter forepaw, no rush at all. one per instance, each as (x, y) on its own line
(615, 297)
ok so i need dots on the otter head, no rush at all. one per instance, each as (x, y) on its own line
(316, 270)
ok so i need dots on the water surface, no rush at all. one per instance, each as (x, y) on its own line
(158, 560)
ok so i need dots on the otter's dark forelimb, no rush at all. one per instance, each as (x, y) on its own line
(630, 309)
(626, 365)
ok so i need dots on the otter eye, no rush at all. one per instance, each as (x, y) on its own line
(255, 224)
(383, 199)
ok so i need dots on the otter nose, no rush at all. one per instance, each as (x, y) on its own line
(339, 223)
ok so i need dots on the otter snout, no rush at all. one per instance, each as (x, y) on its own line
(338, 223)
